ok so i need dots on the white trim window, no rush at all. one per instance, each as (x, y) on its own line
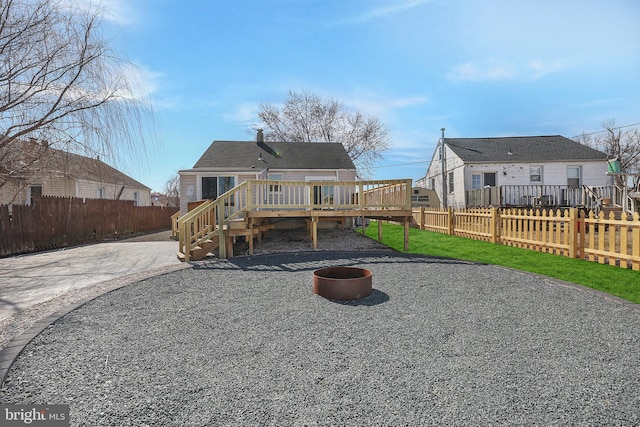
(136, 198)
(275, 188)
(476, 181)
(451, 181)
(100, 193)
(573, 176)
(535, 174)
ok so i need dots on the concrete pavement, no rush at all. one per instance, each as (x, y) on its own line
(28, 280)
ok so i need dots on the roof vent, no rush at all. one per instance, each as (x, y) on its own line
(260, 136)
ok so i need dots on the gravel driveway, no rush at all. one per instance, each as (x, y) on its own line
(246, 342)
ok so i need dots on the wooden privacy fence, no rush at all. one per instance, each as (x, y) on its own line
(569, 232)
(54, 222)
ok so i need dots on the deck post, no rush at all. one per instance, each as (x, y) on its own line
(314, 231)
(185, 244)
(222, 247)
(406, 234)
(380, 230)
(250, 236)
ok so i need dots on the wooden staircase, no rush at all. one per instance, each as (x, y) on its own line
(205, 246)
(203, 229)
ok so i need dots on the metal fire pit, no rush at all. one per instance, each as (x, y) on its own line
(342, 283)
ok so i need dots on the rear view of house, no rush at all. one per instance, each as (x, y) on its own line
(226, 164)
(528, 171)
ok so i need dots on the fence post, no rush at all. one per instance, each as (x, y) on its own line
(573, 237)
(450, 220)
(494, 225)
(421, 223)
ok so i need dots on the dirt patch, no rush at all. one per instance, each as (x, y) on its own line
(296, 240)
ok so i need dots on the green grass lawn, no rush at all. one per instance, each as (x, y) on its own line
(610, 279)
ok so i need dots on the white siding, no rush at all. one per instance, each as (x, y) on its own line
(553, 173)
(187, 191)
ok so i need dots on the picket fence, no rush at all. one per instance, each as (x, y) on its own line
(55, 222)
(570, 232)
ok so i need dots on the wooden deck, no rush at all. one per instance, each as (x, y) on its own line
(248, 210)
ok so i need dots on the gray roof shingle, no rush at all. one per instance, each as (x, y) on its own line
(522, 149)
(31, 158)
(294, 155)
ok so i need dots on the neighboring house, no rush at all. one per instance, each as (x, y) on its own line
(424, 197)
(539, 170)
(29, 170)
(226, 164)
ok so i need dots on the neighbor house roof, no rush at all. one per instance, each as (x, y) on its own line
(522, 149)
(26, 158)
(293, 155)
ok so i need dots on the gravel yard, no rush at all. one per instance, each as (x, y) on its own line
(246, 342)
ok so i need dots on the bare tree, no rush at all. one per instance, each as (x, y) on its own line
(62, 86)
(618, 142)
(172, 190)
(305, 117)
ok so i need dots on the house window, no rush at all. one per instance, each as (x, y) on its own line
(136, 198)
(100, 193)
(225, 183)
(433, 184)
(535, 174)
(489, 179)
(214, 186)
(275, 188)
(36, 193)
(476, 181)
(573, 176)
(210, 187)
(450, 182)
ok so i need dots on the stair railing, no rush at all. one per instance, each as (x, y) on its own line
(209, 217)
(195, 225)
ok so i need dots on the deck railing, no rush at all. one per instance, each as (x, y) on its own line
(311, 195)
(539, 195)
(252, 195)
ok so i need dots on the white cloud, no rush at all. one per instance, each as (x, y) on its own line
(390, 9)
(117, 11)
(245, 113)
(381, 106)
(501, 70)
(142, 81)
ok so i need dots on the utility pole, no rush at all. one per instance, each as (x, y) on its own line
(444, 172)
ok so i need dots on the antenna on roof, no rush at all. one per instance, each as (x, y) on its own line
(261, 159)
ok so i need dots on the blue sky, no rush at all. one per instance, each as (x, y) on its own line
(477, 68)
